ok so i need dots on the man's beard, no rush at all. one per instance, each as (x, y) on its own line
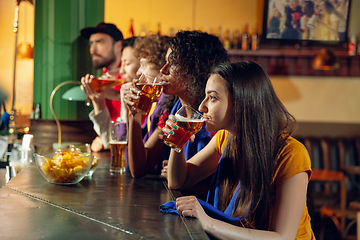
(103, 61)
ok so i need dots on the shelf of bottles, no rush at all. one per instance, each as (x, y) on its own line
(285, 60)
(296, 62)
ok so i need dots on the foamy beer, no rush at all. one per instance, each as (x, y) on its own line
(118, 142)
(151, 89)
(189, 122)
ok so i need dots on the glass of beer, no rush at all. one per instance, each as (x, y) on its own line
(150, 90)
(100, 83)
(97, 84)
(189, 122)
(118, 141)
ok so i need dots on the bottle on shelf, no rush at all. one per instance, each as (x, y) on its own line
(131, 29)
(255, 39)
(227, 43)
(245, 38)
(37, 111)
(236, 41)
(352, 46)
(218, 33)
(32, 114)
(158, 29)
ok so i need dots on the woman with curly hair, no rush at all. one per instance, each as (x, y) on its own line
(190, 58)
(151, 51)
(261, 173)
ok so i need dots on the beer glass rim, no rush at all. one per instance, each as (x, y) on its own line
(144, 75)
(196, 111)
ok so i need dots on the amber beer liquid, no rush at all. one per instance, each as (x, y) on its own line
(100, 84)
(117, 149)
(149, 91)
(187, 128)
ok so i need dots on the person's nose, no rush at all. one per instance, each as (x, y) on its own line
(165, 69)
(92, 48)
(138, 73)
(122, 70)
(202, 107)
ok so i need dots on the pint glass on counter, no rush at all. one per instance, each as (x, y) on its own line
(118, 142)
(189, 122)
(151, 89)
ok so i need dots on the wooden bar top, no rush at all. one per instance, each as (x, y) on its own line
(104, 206)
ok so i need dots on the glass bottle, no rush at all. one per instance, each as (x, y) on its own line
(235, 43)
(227, 44)
(37, 111)
(255, 39)
(245, 38)
(159, 28)
(32, 114)
(131, 29)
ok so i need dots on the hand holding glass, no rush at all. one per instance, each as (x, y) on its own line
(150, 90)
(189, 122)
(101, 83)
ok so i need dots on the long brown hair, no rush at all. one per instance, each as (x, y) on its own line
(262, 125)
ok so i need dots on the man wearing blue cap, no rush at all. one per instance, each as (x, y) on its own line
(105, 42)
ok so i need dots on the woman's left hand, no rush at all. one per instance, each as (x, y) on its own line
(189, 206)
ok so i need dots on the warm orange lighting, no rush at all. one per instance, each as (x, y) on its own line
(24, 51)
(325, 60)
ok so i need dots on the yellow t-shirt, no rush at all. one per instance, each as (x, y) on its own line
(293, 159)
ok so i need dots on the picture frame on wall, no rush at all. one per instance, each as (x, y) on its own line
(306, 22)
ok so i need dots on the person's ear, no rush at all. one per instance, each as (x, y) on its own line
(118, 46)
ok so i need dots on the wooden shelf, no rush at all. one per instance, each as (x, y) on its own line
(296, 62)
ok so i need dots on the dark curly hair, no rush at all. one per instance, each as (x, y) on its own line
(152, 47)
(194, 55)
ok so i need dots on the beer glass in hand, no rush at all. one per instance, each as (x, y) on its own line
(189, 121)
(98, 84)
(150, 90)
(118, 142)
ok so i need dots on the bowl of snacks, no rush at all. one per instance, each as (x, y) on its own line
(64, 166)
(86, 148)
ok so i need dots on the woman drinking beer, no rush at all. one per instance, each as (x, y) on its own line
(151, 51)
(189, 60)
(261, 173)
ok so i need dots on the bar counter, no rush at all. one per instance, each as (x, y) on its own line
(103, 206)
